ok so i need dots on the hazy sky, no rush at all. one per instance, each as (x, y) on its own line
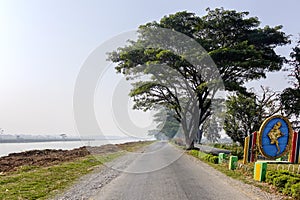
(43, 45)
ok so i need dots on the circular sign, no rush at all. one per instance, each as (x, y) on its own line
(275, 136)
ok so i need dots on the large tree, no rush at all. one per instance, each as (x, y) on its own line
(241, 49)
(291, 96)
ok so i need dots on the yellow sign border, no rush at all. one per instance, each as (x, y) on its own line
(261, 129)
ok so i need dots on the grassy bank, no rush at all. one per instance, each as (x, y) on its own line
(36, 182)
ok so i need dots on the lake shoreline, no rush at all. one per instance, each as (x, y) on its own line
(7, 148)
(49, 157)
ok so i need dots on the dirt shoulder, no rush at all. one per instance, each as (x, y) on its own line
(49, 157)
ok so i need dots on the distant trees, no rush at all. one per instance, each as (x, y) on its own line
(241, 49)
(212, 128)
(167, 125)
(1, 133)
(63, 136)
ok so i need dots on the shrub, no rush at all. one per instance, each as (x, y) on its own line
(235, 149)
(238, 152)
(280, 181)
(288, 186)
(284, 180)
(214, 159)
(220, 146)
(270, 176)
(194, 153)
(211, 158)
(295, 189)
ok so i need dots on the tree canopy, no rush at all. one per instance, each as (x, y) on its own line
(291, 96)
(240, 48)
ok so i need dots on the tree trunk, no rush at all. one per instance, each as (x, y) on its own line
(199, 136)
(190, 146)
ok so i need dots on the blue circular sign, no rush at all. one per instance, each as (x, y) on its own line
(275, 137)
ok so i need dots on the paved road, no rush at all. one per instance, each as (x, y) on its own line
(163, 172)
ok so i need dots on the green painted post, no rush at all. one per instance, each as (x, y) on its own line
(222, 157)
(233, 162)
(260, 170)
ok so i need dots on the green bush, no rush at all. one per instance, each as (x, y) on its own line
(271, 175)
(237, 152)
(194, 153)
(280, 181)
(292, 181)
(211, 158)
(295, 189)
(220, 146)
(214, 159)
(235, 149)
(285, 181)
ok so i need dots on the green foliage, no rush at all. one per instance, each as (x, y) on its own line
(290, 97)
(194, 153)
(203, 156)
(240, 118)
(235, 149)
(221, 146)
(285, 181)
(280, 181)
(288, 186)
(270, 176)
(43, 182)
(241, 50)
(237, 44)
(239, 152)
(295, 190)
(211, 158)
(245, 113)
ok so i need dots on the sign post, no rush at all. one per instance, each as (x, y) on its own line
(233, 162)
(260, 170)
(274, 141)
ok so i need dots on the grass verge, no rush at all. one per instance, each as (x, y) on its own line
(44, 182)
(32, 182)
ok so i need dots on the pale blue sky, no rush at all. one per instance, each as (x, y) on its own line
(44, 43)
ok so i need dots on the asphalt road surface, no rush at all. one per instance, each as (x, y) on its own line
(163, 172)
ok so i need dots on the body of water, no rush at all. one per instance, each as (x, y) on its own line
(7, 148)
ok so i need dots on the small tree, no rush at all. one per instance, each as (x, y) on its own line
(63, 136)
(245, 114)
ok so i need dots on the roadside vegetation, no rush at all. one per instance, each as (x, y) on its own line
(30, 182)
(42, 182)
(281, 179)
